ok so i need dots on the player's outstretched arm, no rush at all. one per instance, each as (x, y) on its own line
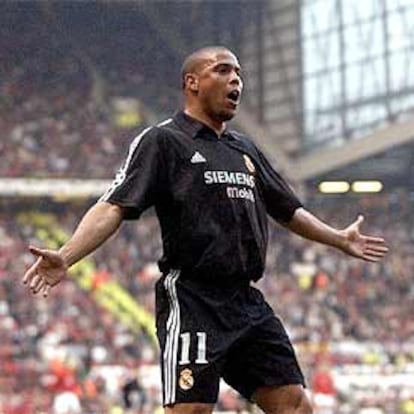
(96, 226)
(349, 240)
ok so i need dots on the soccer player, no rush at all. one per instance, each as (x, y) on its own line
(212, 190)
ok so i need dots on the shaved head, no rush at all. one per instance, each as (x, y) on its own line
(194, 62)
(212, 85)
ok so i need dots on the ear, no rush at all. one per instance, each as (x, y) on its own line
(191, 81)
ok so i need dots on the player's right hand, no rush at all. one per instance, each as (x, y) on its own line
(48, 270)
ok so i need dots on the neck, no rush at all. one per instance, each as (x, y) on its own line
(217, 126)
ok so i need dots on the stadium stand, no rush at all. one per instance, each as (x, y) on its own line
(70, 110)
(66, 100)
(347, 319)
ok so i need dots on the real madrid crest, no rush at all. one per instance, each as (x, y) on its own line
(249, 164)
(186, 380)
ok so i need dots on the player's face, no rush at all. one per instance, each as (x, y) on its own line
(220, 86)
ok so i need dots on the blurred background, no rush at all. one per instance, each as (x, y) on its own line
(329, 97)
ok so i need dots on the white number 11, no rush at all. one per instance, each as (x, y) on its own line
(201, 348)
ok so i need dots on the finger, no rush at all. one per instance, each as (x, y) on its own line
(50, 256)
(376, 246)
(371, 258)
(356, 224)
(46, 290)
(35, 281)
(31, 272)
(360, 220)
(374, 253)
(37, 252)
(376, 240)
(39, 286)
(379, 249)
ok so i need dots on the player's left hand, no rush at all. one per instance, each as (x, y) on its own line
(369, 248)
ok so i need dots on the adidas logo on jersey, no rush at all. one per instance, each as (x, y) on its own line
(197, 158)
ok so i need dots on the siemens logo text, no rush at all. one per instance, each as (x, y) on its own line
(227, 177)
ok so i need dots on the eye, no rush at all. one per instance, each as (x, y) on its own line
(223, 69)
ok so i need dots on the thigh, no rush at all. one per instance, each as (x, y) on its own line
(264, 358)
(193, 342)
(189, 409)
(282, 399)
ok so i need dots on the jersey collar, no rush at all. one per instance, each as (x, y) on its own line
(197, 129)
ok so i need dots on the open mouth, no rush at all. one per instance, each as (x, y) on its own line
(234, 96)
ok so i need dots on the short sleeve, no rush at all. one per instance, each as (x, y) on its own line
(281, 202)
(139, 181)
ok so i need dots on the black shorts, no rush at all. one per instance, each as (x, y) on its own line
(210, 333)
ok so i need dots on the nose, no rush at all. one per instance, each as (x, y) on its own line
(235, 79)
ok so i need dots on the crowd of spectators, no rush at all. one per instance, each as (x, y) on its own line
(74, 93)
(350, 298)
(70, 110)
(340, 313)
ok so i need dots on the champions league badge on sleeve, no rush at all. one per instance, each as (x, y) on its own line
(249, 164)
